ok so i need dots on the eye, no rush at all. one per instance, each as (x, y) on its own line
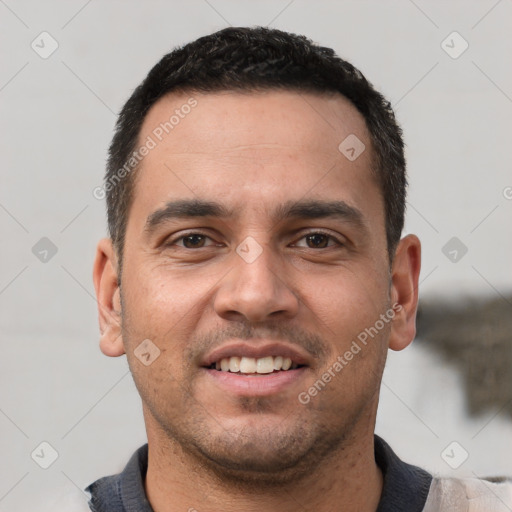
(193, 240)
(318, 240)
(313, 240)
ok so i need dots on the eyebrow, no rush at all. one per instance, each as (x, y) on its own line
(183, 209)
(302, 209)
(319, 209)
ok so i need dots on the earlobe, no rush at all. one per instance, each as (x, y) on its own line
(108, 297)
(404, 291)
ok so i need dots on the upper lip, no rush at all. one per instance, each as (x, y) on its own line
(262, 349)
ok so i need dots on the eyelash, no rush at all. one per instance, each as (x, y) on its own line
(317, 232)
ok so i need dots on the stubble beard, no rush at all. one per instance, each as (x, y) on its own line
(252, 457)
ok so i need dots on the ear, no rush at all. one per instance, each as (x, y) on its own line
(404, 291)
(108, 298)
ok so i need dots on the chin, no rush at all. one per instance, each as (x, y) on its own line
(257, 466)
(263, 456)
(257, 447)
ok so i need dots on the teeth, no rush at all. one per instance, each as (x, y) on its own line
(265, 365)
(234, 364)
(248, 365)
(278, 363)
(252, 365)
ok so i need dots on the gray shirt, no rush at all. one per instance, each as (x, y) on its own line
(405, 487)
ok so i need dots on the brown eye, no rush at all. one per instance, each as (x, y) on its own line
(193, 241)
(317, 240)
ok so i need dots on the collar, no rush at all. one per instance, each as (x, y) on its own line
(123, 492)
(405, 487)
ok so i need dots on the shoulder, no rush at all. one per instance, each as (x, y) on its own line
(470, 495)
(125, 490)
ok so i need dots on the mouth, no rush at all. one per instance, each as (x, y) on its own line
(255, 366)
(263, 369)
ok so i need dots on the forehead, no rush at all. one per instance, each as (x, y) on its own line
(253, 149)
(238, 120)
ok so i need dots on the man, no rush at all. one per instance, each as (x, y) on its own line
(255, 279)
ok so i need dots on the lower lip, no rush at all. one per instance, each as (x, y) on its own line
(256, 384)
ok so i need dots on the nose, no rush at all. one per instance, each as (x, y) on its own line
(256, 289)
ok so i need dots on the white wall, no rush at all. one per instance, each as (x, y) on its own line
(57, 116)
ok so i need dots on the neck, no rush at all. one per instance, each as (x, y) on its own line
(348, 479)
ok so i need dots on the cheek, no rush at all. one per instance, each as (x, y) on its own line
(165, 307)
(351, 306)
(348, 300)
(162, 303)
(154, 310)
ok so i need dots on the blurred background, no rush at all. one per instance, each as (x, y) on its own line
(66, 70)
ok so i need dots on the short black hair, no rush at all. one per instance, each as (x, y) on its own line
(255, 59)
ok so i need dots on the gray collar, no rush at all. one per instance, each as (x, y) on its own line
(405, 488)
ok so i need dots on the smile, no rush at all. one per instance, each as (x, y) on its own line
(252, 365)
(263, 368)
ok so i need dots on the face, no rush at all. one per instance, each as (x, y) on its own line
(254, 245)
